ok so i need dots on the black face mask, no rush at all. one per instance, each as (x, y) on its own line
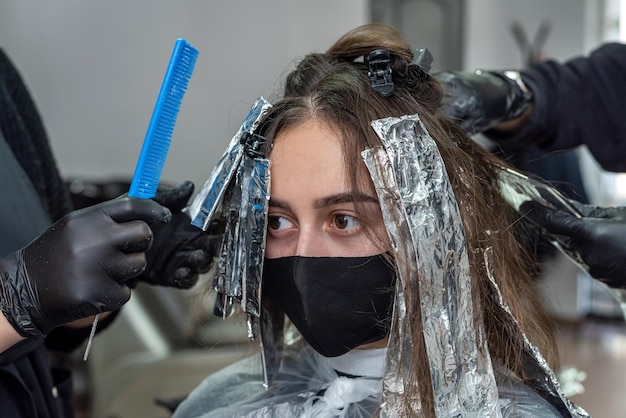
(337, 303)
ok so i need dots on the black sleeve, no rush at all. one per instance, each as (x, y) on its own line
(580, 102)
(24, 131)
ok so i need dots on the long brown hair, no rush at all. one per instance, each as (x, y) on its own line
(334, 88)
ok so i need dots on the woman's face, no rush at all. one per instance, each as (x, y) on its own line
(312, 211)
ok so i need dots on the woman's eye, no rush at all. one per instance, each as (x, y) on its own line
(278, 223)
(345, 222)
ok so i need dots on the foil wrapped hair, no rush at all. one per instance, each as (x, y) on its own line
(424, 225)
(425, 229)
(237, 193)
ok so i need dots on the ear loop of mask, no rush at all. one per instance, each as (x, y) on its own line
(237, 193)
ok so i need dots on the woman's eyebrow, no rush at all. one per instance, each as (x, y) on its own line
(328, 200)
(344, 198)
(275, 203)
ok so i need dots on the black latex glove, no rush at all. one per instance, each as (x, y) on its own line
(479, 101)
(78, 267)
(599, 237)
(181, 251)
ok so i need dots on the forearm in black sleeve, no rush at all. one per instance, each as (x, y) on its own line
(580, 102)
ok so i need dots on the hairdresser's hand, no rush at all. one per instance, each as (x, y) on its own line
(599, 237)
(481, 100)
(181, 252)
(79, 266)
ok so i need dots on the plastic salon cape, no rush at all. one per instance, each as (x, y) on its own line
(309, 385)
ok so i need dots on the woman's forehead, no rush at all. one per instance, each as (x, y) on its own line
(307, 153)
(307, 142)
(310, 155)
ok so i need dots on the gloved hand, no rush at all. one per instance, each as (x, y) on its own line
(479, 101)
(78, 267)
(181, 251)
(599, 237)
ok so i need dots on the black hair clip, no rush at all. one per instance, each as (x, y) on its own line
(253, 144)
(379, 71)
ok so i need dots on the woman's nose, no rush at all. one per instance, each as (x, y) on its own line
(311, 243)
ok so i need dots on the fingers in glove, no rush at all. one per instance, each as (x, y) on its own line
(175, 199)
(616, 213)
(184, 278)
(108, 298)
(206, 242)
(124, 266)
(562, 223)
(185, 268)
(124, 209)
(133, 236)
(201, 260)
(554, 221)
(196, 260)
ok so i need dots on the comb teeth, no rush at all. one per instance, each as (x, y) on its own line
(159, 135)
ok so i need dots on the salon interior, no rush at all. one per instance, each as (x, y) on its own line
(95, 68)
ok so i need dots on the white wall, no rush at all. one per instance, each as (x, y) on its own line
(95, 69)
(489, 42)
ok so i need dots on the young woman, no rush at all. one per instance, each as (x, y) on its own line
(390, 250)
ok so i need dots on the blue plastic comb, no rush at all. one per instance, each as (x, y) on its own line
(159, 136)
(157, 141)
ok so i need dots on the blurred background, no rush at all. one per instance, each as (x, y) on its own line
(95, 69)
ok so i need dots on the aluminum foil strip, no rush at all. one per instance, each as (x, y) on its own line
(253, 222)
(400, 344)
(462, 377)
(224, 282)
(228, 197)
(237, 193)
(207, 201)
